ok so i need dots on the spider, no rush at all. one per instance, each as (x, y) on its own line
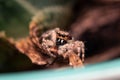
(55, 43)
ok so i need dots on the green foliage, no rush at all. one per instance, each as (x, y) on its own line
(13, 18)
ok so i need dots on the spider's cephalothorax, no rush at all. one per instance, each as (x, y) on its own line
(62, 38)
(54, 38)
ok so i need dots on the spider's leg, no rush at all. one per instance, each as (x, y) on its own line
(83, 54)
(33, 27)
(82, 51)
(78, 51)
(74, 60)
(34, 31)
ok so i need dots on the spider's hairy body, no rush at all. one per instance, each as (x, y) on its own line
(46, 48)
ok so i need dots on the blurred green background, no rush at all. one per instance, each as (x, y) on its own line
(13, 19)
(15, 15)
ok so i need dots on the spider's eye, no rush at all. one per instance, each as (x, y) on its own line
(63, 35)
(60, 42)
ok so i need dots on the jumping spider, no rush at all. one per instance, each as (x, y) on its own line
(46, 48)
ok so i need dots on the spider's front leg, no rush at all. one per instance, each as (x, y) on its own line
(80, 49)
(83, 51)
(34, 32)
(74, 59)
